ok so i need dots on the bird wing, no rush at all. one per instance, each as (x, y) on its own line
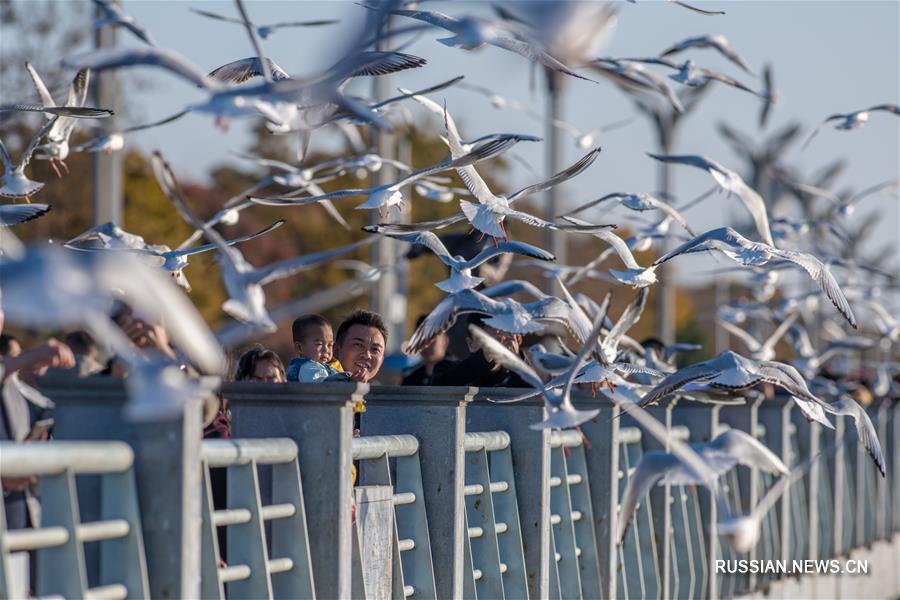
(313, 23)
(495, 351)
(40, 86)
(168, 119)
(535, 54)
(679, 379)
(786, 377)
(751, 342)
(212, 15)
(708, 13)
(445, 314)
(13, 214)
(374, 63)
(507, 247)
(25, 157)
(423, 238)
(286, 268)
(672, 212)
(424, 225)
(470, 177)
(748, 451)
(821, 274)
(627, 320)
(864, 429)
(757, 207)
(231, 242)
(568, 173)
(780, 331)
(652, 467)
(723, 238)
(169, 186)
(406, 95)
(618, 244)
(435, 18)
(4, 157)
(892, 108)
(118, 57)
(239, 71)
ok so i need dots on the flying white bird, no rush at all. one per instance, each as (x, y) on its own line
(461, 277)
(756, 254)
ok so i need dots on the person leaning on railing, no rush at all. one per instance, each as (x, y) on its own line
(431, 355)
(20, 403)
(476, 370)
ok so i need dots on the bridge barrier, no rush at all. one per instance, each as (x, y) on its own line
(58, 542)
(260, 564)
(480, 465)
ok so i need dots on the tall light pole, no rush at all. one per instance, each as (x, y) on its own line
(556, 243)
(107, 168)
(387, 298)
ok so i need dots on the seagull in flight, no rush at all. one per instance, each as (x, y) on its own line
(113, 15)
(384, 197)
(14, 182)
(759, 350)
(56, 149)
(13, 214)
(756, 254)
(852, 120)
(732, 372)
(461, 269)
(243, 282)
(561, 414)
(724, 452)
(717, 42)
(634, 274)
(109, 237)
(638, 201)
(732, 183)
(471, 33)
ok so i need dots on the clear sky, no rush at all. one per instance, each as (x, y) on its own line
(828, 57)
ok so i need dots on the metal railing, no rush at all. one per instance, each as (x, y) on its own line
(413, 575)
(58, 542)
(260, 565)
(495, 561)
(486, 507)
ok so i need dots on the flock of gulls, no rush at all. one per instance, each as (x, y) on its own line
(47, 286)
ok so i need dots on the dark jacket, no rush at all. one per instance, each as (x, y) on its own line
(475, 370)
(418, 376)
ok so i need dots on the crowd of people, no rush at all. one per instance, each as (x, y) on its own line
(355, 352)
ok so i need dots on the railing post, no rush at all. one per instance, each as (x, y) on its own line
(602, 460)
(703, 421)
(436, 416)
(531, 462)
(319, 418)
(775, 414)
(745, 417)
(167, 469)
(660, 502)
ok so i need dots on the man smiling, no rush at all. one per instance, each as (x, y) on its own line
(359, 345)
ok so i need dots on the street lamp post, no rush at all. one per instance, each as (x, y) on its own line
(107, 168)
(556, 243)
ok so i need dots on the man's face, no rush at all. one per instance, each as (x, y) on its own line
(316, 344)
(436, 350)
(361, 352)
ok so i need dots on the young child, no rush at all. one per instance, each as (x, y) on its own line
(313, 342)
